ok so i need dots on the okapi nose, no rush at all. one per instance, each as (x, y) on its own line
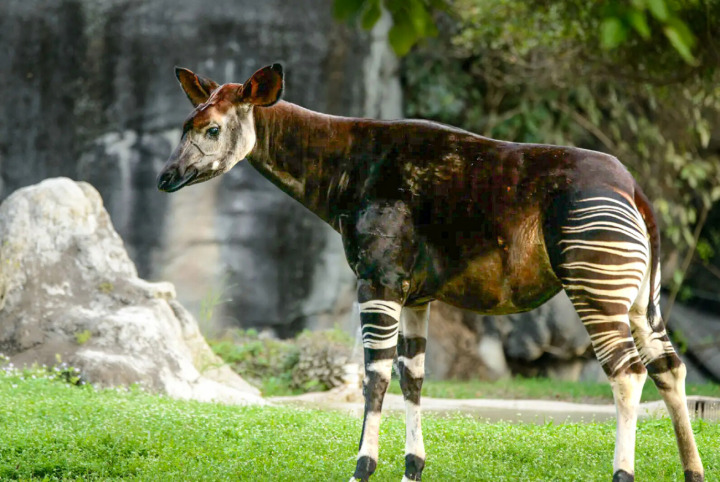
(165, 179)
(170, 180)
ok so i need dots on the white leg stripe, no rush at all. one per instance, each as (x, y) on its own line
(381, 367)
(380, 341)
(389, 308)
(415, 365)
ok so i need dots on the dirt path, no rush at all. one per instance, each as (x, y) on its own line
(527, 411)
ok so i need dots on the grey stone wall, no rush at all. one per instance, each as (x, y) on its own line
(88, 92)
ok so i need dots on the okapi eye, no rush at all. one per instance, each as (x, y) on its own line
(213, 132)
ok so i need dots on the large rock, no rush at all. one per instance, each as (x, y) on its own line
(697, 333)
(553, 328)
(548, 341)
(89, 92)
(68, 289)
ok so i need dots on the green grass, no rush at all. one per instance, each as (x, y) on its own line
(53, 431)
(541, 388)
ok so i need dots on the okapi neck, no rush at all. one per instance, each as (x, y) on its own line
(304, 152)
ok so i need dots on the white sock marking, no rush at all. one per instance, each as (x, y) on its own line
(413, 430)
(371, 431)
(627, 390)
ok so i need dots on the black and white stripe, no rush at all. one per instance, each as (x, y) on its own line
(380, 335)
(605, 258)
(604, 264)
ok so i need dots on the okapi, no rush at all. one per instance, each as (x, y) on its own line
(431, 212)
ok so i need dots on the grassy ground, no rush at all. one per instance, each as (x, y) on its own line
(53, 431)
(543, 389)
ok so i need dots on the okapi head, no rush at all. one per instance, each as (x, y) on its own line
(220, 132)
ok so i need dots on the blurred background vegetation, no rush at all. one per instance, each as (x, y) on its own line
(637, 79)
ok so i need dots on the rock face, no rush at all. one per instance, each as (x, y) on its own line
(548, 341)
(68, 288)
(90, 89)
(698, 334)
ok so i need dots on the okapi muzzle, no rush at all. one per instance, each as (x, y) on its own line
(179, 172)
(220, 132)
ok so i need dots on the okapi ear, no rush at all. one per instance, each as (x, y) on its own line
(265, 87)
(198, 89)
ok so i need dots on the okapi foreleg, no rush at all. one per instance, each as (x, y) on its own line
(411, 365)
(379, 322)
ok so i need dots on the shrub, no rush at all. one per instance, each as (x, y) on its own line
(313, 361)
(322, 358)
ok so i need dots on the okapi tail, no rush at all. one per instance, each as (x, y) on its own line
(646, 211)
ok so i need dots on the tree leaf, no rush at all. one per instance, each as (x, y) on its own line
(421, 18)
(402, 35)
(683, 30)
(658, 9)
(677, 41)
(371, 14)
(345, 9)
(704, 133)
(715, 194)
(639, 22)
(612, 33)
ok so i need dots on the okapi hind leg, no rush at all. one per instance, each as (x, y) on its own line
(668, 373)
(619, 358)
(598, 248)
(411, 363)
(379, 320)
(627, 390)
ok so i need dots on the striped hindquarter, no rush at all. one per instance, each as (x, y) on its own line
(599, 248)
(603, 259)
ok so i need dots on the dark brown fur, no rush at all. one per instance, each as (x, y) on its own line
(475, 205)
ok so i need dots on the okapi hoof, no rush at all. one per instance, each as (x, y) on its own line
(414, 466)
(692, 476)
(622, 476)
(364, 469)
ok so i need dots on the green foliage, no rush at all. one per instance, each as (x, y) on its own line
(106, 287)
(617, 20)
(620, 19)
(216, 295)
(60, 372)
(83, 337)
(311, 362)
(266, 362)
(55, 432)
(412, 19)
